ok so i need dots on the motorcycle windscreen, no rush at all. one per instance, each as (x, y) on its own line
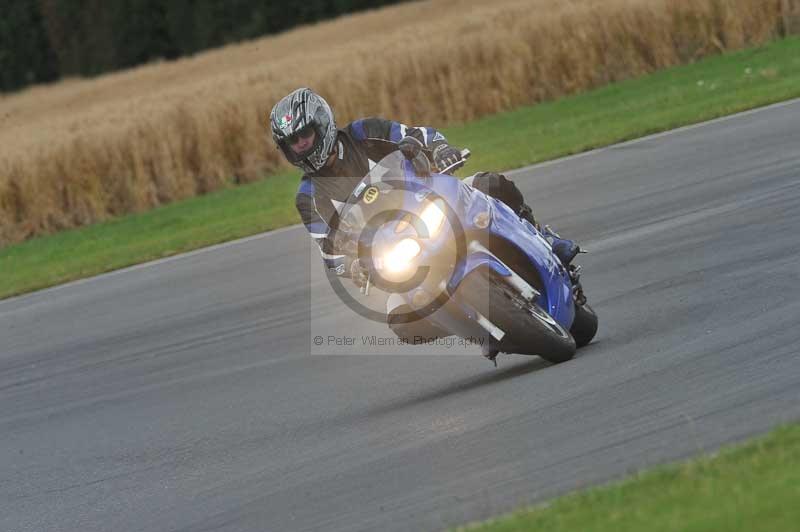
(375, 201)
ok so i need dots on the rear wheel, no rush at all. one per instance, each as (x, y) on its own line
(584, 327)
(529, 329)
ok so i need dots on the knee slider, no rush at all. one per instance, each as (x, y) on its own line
(500, 187)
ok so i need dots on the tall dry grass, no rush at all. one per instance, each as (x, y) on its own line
(81, 151)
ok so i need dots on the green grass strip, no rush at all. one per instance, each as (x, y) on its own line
(667, 99)
(755, 486)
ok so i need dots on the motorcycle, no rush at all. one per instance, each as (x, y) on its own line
(463, 261)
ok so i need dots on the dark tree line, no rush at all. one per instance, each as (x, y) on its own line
(43, 40)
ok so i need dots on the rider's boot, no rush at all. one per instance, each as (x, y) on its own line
(566, 250)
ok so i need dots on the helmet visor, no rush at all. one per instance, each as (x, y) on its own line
(303, 133)
(302, 143)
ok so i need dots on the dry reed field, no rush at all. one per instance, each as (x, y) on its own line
(84, 150)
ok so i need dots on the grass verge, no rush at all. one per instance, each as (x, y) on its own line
(754, 486)
(667, 99)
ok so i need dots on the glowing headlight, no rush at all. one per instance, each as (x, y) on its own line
(400, 256)
(433, 216)
(403, 224)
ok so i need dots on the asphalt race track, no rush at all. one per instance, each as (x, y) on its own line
(187, 394)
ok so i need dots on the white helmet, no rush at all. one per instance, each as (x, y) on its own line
(296, 115)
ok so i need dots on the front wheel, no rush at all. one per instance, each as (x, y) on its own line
(529, 329)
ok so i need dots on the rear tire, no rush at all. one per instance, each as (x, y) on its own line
(529, 329)
(584, 327)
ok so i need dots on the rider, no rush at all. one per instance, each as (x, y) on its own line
(335, 160)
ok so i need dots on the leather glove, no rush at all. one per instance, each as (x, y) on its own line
(410, 146)
(445, 155)
(358, 273)
(412, 149)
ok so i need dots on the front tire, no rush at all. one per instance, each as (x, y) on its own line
(529, 329)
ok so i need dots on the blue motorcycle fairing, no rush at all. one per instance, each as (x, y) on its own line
(467, 203)
(464, 205)
(475, 261)
(557, 285)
